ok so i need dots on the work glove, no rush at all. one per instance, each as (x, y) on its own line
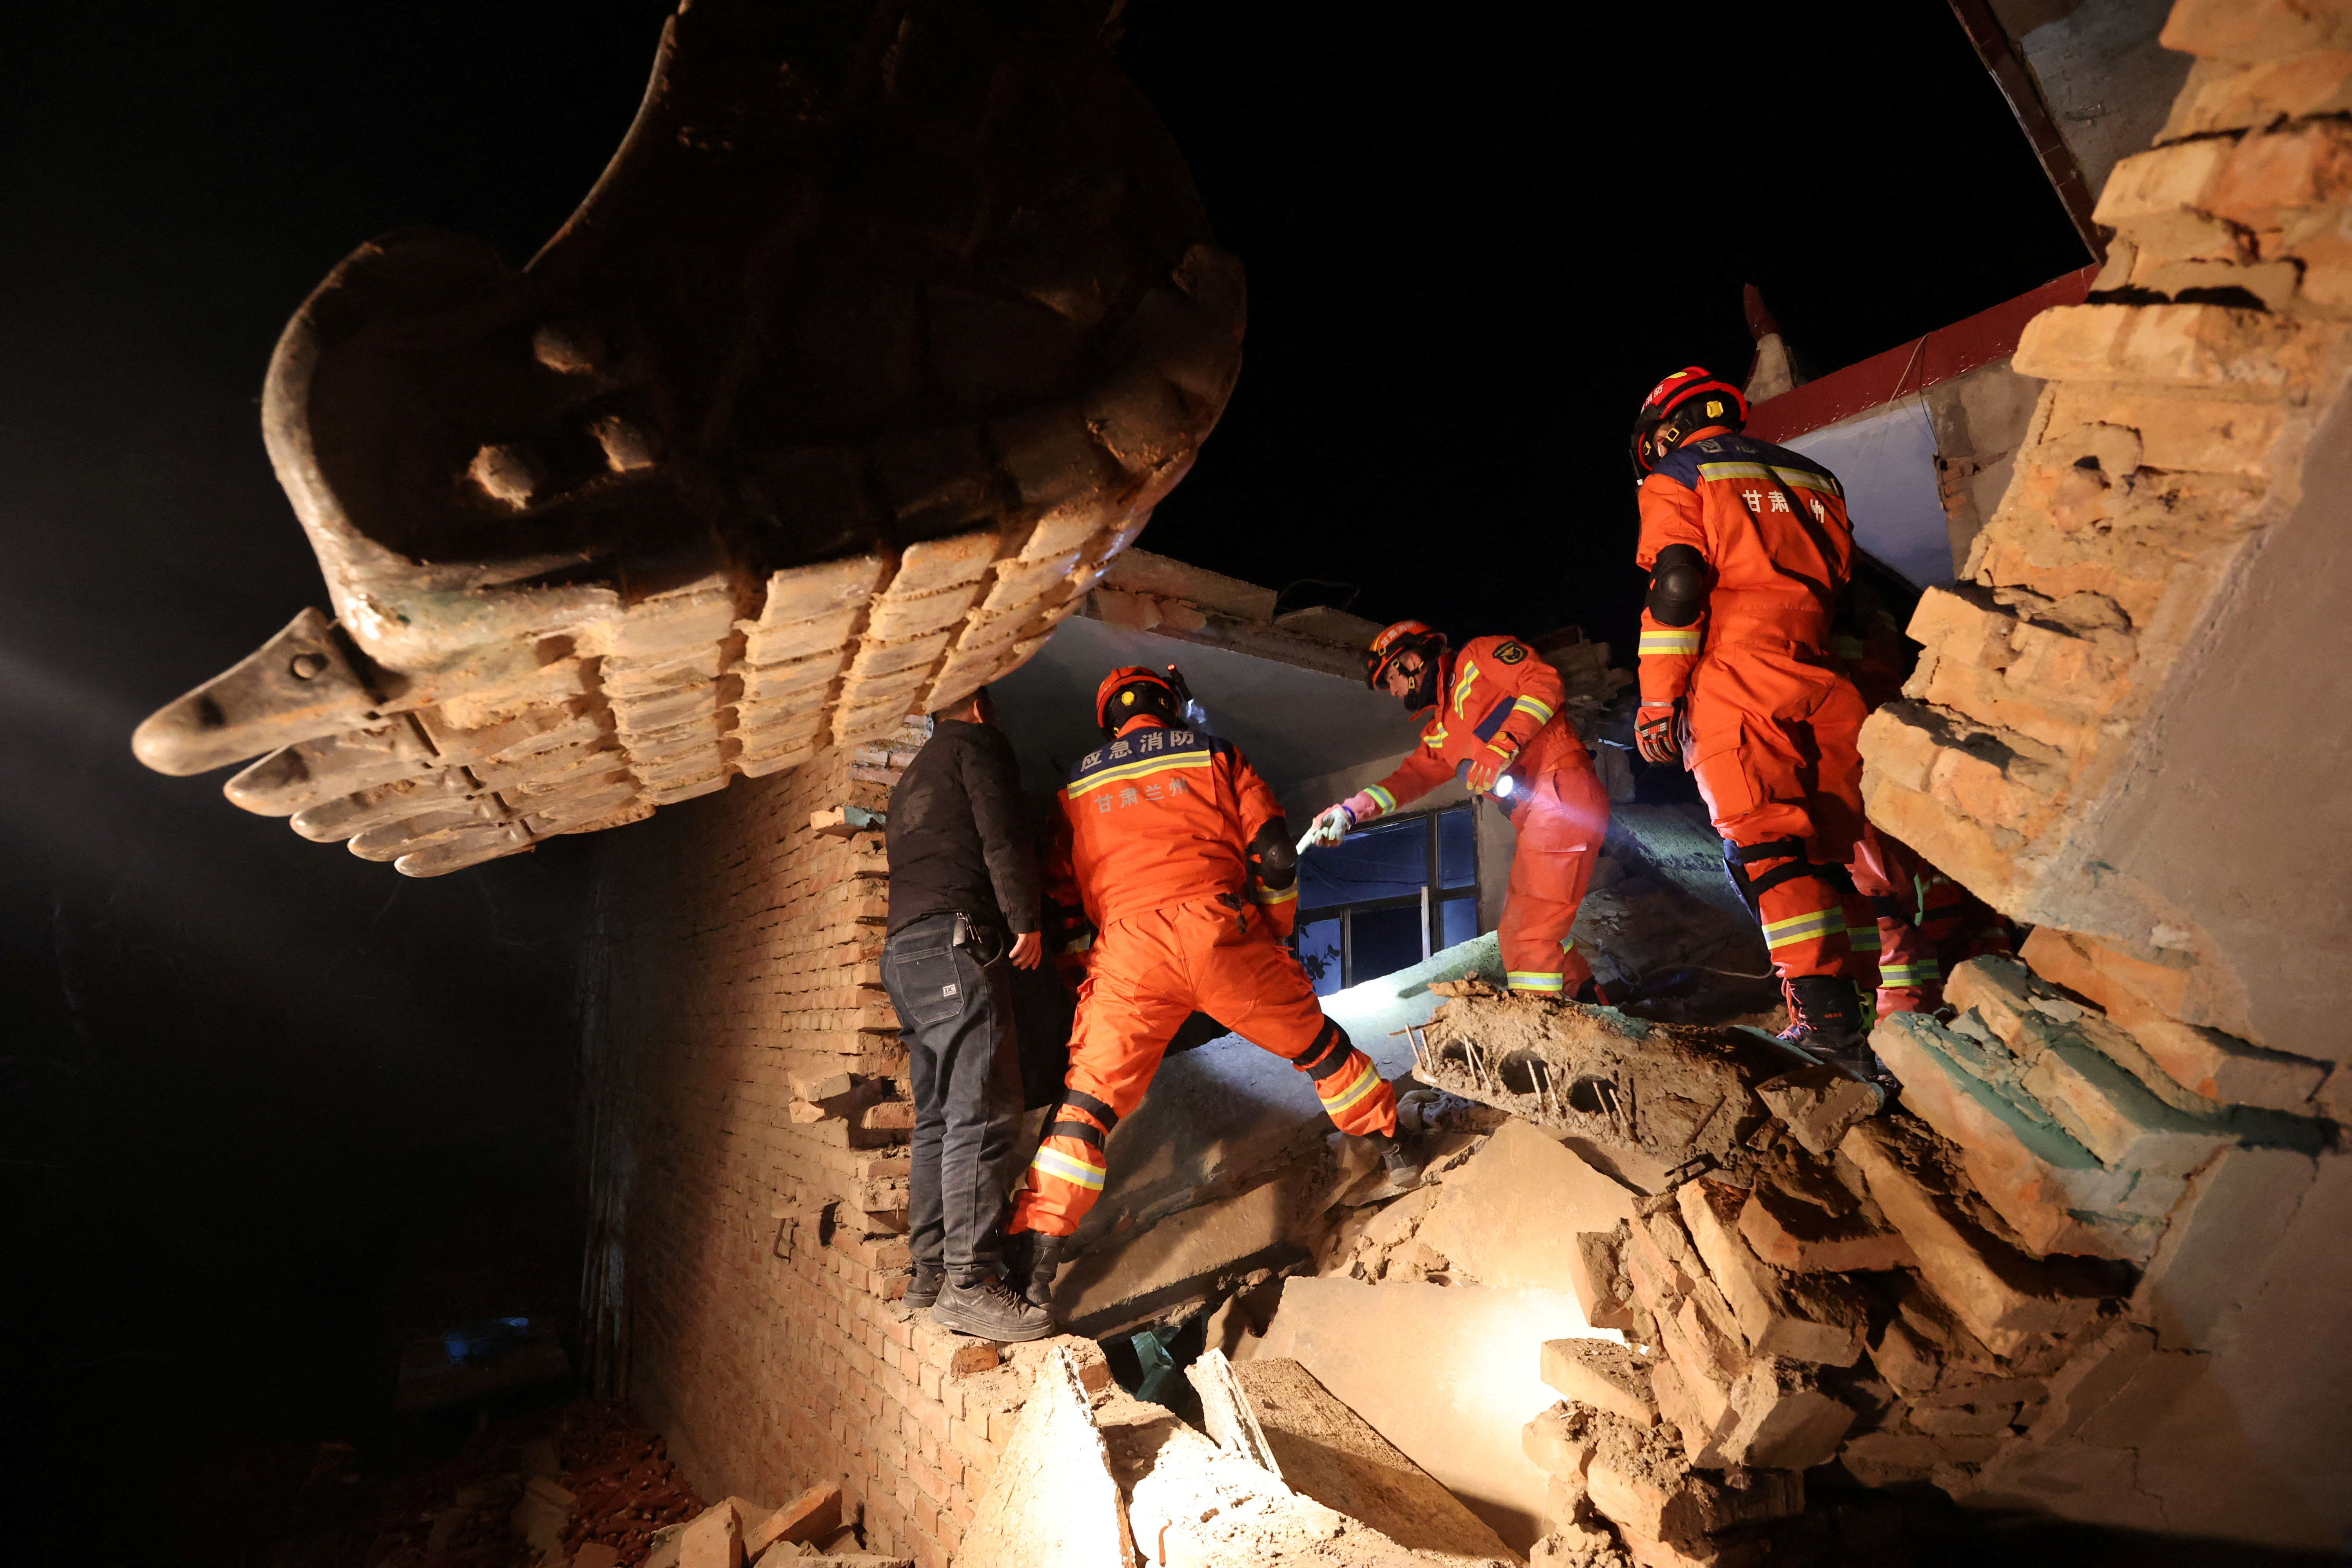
(1330, 826)
(1654, 733)
(1485, 768)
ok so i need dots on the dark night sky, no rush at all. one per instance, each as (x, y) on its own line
(264, 1107)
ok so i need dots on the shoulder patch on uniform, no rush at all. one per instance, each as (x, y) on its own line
(1510, 652)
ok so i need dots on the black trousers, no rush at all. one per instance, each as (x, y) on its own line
(956, 1006)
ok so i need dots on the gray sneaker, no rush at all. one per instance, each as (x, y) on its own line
(992, 1309)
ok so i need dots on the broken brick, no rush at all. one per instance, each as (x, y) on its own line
(1818, 1103)
(1602, 1375)
(1812, 1321)
(2000, 1295)
(1781, 1419)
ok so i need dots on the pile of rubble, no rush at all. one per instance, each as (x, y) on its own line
(738, 1533)
(592, 1485)
(1284, 1472)
(1801, 1276)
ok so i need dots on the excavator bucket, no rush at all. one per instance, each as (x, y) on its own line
(881, 335)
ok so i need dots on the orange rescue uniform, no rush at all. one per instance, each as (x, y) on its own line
(1498, 703)
(1770, 718)
(1154, 842)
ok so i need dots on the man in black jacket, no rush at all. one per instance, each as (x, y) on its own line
(964, 906)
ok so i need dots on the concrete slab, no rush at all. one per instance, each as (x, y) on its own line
(1448, 1373)
(1330, 1453)
(1052, 1502)
(1127, 1279)
(1481, 1222)
(1194, 1505)
(1226, 1413)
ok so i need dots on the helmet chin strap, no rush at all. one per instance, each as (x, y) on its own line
(1424, 690)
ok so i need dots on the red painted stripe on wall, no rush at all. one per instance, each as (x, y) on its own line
(1978, 339)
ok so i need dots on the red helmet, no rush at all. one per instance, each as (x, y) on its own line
(1396, 642)
(1692, 398)
(1131, 689)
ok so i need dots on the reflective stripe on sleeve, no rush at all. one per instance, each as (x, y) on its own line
(1052, 1162)
(1536, 710)
(1366, 1079)
(1264, 895)
(1382, 798)
(1522, 980)
(1668, 643)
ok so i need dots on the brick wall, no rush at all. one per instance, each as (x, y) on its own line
(763, 1331)
(2129, 729)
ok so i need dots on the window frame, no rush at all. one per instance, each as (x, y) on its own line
(1429, 899)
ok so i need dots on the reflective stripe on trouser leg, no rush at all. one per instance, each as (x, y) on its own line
(1551, 983)
(1804, 925)
(1347, 1081)
(1561, 822)
(1916, 972)
(1125, 1015)
(1862, 942)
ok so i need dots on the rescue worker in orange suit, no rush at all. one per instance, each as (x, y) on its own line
(1749, 551)
(1910, 917)
(1495, 724)
(1185, 868)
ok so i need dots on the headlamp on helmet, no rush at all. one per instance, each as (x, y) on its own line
(1691, 399)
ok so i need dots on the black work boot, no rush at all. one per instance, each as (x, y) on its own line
(924, 1288)
(990, 1309)
(1032, 1258)
(1825, 1017)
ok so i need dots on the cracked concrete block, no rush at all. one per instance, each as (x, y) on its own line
(1639, 1100)
(1814, 1322)
(1119, 1281)
(1478, 1221)
(1326, 1451)
(1604, 1374)
(2000, 1294)
(1193, 1505)
(1052, 1501)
